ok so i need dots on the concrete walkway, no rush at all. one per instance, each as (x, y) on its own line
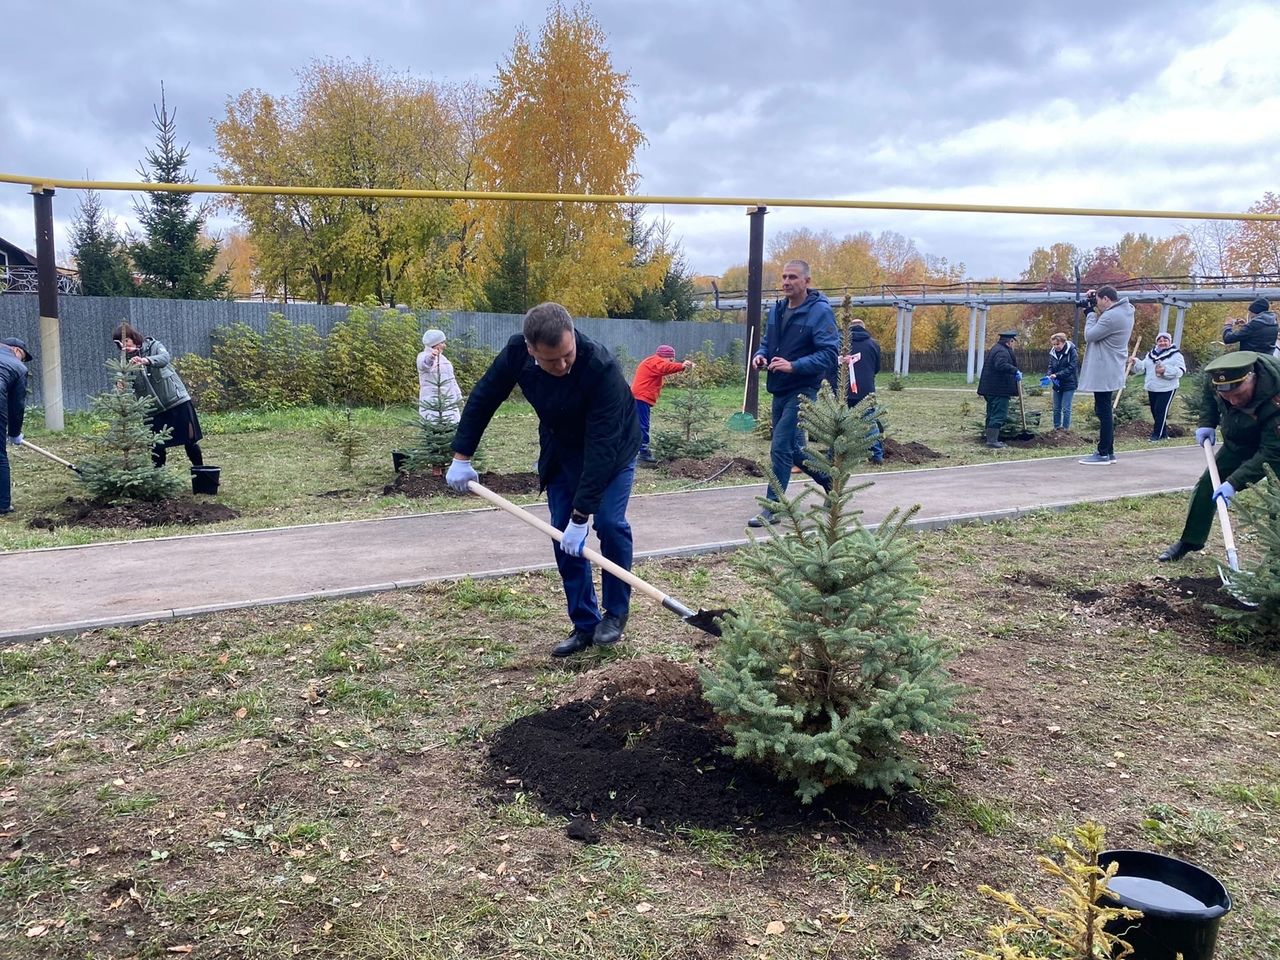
(69, 589)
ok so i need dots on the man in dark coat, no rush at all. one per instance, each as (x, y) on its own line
(1242, 395)
(799, 349)
(14, 357)
(1256, 333)
(589, 436)
(999, 382)
(863, 360)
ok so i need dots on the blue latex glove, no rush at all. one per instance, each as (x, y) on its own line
(1225, 493)
(1206, 433)
(1045, 381)
(461, 472)
(16, 441)
(575, 537)
(1018, 374)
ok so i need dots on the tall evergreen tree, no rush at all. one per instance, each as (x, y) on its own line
(172, 259)
(99, 251)
(506, 288)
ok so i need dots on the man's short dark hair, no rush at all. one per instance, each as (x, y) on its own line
(1108, 291)
(545, 325)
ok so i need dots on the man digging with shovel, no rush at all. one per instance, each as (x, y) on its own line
(589, 437)
(1243, 397)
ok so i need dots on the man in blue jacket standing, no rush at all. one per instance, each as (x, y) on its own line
(14, 357)
(799, 349)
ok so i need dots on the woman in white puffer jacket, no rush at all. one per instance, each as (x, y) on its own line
(1163, 366)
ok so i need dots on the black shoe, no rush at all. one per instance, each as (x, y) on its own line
(763, 519)
(3, 512)
(609, 630)
(576, 642)
(1176, 551)
(644, 456)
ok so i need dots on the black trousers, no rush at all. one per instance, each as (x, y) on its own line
(1106, 422)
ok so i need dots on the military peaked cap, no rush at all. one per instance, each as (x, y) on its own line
(1230, 368)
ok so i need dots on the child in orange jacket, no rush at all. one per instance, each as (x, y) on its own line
(646, 387)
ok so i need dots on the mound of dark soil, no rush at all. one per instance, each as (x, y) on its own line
(656, 758)
(1183, 603)
(1141, 430)
(423, 485)
(717, 468)
(137, 515)
(1047, 438)
(911, 452)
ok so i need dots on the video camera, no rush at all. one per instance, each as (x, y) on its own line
(1088, 303)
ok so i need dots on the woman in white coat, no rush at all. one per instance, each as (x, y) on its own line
(439, 397)
(1164, 366)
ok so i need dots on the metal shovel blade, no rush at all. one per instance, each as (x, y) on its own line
(708, 621)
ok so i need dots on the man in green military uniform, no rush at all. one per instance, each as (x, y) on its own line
(1242, 395)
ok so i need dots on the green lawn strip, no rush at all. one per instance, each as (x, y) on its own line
(312, 778)
(277, 470)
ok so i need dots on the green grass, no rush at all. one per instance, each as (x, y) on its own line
(277, 470)
(313, 780)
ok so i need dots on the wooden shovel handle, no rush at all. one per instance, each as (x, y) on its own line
(1223, 517)
(594, 556)
(45, 453)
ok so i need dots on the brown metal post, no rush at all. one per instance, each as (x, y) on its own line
(47, 286)
(755, 289)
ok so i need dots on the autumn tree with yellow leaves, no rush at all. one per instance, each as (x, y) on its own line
(354, 125)
(558, 120)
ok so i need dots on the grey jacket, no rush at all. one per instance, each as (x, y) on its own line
(1107, 338)
(157, 378)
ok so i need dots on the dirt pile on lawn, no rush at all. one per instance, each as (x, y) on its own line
(911, 452)
(423, 485)
(642, 745)
(137, 515)
(709, 468)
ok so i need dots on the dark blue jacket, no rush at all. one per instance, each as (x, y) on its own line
(1258, 335)
(999, 372)
(587, 420)
(809, 339)
(866, 364)
(13, 385)
(1065, 367)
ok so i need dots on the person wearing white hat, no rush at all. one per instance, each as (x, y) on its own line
(439, 396)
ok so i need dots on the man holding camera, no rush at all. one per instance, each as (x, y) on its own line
(1107, 327)
(1242, 395)
(1256, 333)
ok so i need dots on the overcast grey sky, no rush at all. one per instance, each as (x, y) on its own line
(1168, 105)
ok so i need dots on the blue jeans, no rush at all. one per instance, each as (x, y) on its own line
(611, 526)
(643, 410)
(1062, 408)
(5, 491)
(787, 448)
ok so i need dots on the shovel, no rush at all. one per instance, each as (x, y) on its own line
(744, 422)
(1022, 407)
(704, 620)
(52, 456)
(1233, 559)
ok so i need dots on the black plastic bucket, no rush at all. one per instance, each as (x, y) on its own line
(205, 479)
(398, 458)
(1181, 905)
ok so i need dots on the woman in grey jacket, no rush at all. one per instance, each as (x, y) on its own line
(157, 379)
